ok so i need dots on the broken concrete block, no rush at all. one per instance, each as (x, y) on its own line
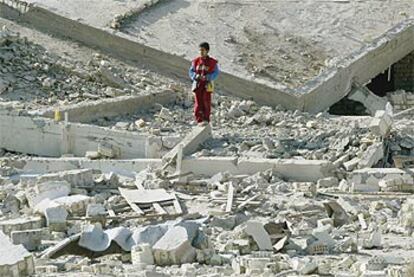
(94, 238)
(56, 218)
(174, 247)
(30, 239)
(20, 224)
(372, 155)
(95, 210)
(76, 177)
(381, 124)
(149, 234)
(328, 182)
(74, 204)
(47, 190)
(397, 184)
(337, 213)
(374, 240)
(257, 231)
(15, 260)
(350, 165)
(142, 254)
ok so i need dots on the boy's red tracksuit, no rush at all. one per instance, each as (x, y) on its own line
(202, 71)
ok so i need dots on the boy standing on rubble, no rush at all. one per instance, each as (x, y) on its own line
(203, 71)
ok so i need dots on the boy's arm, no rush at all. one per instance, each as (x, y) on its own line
(213, 75)
(191, 72)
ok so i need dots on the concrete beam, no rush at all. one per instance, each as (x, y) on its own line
(44, 137)
(296, 170)
(191, 142)
(123, 105)
(50, 165)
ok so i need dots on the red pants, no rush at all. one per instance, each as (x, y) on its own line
(202, 105)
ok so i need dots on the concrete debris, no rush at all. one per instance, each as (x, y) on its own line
(381, 124)
(257, 231)
(30, 239)
(372, 155)
(174, 247)
(260, 191)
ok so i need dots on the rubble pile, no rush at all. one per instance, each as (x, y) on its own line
(87, 221)
(160, 220)
(31, 77)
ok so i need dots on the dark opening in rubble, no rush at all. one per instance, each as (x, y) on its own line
(348, 107)
(382, 83)
(400, 76)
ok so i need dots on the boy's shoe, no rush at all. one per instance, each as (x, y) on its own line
(202, 124)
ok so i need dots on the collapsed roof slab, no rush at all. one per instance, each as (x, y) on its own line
(316, 95)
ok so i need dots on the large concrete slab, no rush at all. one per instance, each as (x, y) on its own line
(44, 137)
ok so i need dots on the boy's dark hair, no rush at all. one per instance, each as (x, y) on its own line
(205, 45)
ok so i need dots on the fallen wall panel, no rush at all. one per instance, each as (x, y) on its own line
(295, 170)
(44, 137)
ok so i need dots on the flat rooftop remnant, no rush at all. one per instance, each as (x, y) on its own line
(285, 42)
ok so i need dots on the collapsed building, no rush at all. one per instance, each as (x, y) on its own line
(102, 172)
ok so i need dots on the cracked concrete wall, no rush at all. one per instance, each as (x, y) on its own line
(43, 137)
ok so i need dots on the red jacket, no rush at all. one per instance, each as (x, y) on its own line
(205, 67)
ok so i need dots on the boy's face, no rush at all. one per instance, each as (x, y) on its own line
(203, 52)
